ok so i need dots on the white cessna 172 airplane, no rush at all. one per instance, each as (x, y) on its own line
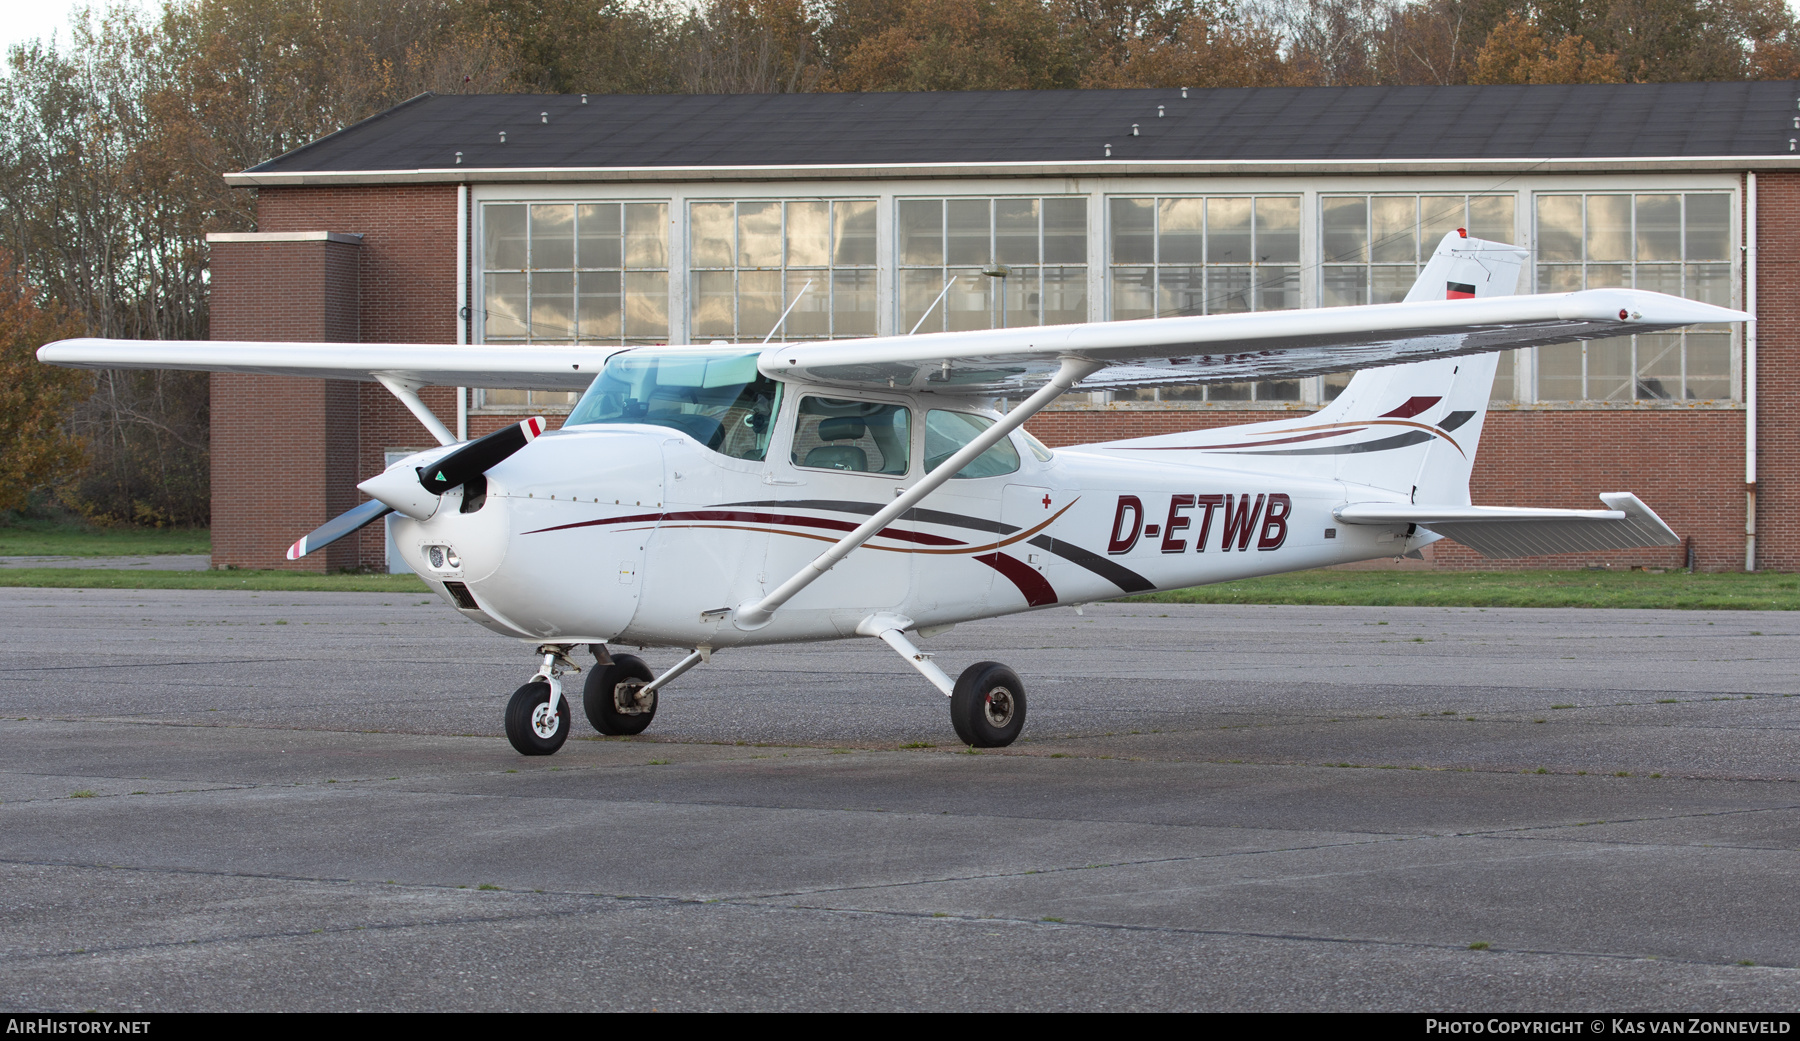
(709, 497)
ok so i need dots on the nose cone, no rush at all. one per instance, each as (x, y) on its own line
(399, 488)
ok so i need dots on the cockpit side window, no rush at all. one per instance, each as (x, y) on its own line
(946, 432)
(718, 398)
(860, 436)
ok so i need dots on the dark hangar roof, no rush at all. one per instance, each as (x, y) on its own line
(1301, 124)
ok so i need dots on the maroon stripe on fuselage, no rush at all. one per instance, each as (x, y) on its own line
(1247, 444)
(1037, 591)
(761, 518)
(1413, 407)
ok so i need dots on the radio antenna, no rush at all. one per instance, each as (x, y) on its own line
(790, 307)
(934, 303)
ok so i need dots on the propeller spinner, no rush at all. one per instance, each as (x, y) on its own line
(417, 494)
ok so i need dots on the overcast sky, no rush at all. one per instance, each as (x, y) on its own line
(22, 20)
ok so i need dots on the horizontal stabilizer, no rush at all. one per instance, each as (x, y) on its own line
(1503, 531)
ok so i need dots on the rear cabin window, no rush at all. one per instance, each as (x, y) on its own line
(947, 432)
(718, 398)
(857, 436)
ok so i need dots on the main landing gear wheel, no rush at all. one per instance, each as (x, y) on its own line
(612, 699)
(530, 725)
(988, 705)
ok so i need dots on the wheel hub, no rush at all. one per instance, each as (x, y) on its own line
(629, 700)
(998, 705)
(545, 723)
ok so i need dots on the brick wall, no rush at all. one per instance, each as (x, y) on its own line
(406, 275)
(283, 450)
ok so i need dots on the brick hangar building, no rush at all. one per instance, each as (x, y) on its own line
(670, 219)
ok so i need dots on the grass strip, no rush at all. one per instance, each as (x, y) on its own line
(280, 581)
(1761, 591)
(47, 539)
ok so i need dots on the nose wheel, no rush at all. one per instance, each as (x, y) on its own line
(987, 706)
(533, 724)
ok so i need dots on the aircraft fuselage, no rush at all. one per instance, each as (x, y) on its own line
(638, 534)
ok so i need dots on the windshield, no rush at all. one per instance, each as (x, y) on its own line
(716, 397)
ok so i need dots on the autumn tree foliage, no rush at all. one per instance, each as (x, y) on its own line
(113, 138)
(1518, 52)
(37, 447)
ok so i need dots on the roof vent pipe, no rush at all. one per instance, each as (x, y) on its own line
(1134, 132)
(1184, 92)
(543, 117)
(502, 137)
(1159, 112)
(1109, 150)
(584, 99)
(459, 158)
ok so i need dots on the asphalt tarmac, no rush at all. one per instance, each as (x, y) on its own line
(217, 800)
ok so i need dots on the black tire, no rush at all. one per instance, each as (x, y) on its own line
(606, 704)
(522, 711)
(988, 705)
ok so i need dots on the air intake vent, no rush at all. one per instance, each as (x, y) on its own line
(460, 593)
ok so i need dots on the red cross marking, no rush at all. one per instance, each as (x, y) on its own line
(1046, 501)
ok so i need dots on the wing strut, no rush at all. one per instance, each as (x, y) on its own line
(408, 393)
(754, 614)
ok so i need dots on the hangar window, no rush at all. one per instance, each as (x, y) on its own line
(1373, 247)
(1206, 255)
(1016, 262)
(592, 272)
(1667, 242)
(750, 259)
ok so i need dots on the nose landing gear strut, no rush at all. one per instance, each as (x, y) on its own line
(538, 716)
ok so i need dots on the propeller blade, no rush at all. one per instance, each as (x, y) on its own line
(337, 527)
(478, 456)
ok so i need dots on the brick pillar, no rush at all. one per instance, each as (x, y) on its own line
(1778, 363)
(284, 450)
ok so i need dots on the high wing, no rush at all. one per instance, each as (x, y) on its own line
(419, 364)
(1224, 348)
(1230, 348)
(1503, 531)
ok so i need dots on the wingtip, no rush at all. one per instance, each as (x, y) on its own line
(297, 550)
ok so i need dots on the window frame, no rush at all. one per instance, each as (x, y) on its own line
(784, 269)
(538, 401)
(1733, 261)
(906, 321)
(1204, 394)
